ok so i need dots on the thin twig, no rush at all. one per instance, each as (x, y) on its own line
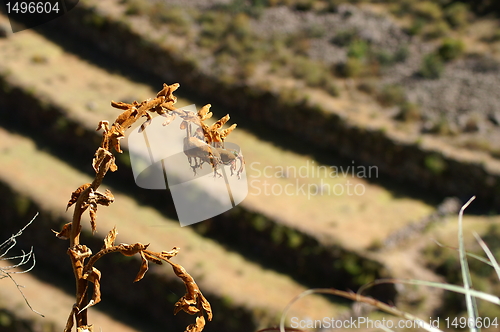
(25, 257)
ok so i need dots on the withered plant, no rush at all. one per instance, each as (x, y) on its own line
(22, 259)
(88, 197)
(206, 144)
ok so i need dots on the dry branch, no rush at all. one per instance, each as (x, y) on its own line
(24, 258)
(87, 196)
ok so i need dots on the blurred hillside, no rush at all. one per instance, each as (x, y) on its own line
(406, 87)
(432, 66)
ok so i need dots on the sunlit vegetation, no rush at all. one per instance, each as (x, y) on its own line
(224, 41)
(445, 262)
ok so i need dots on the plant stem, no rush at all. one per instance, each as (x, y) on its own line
(78, 263)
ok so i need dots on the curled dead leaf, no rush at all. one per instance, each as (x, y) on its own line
(204, 112)
(152, 257)
(104, 125)
(206, 306)
(168, 91)
(145, 125)
(99, 156)
(85, 328)
(163, 92)
(217, 125)
(121, 105)
(65, 232)
(183, 125)
(169, 118)
(193, 301)
(109, 240)
(132, 249)
(116, 134)
(171, 253)
(126, 119)
(143, 269)
(224, 133)
(71, 321)
(75, 194)
(198, 326)
(187, 305)
(96, 197)
(80, 252)
(93, 215)
(94, 276)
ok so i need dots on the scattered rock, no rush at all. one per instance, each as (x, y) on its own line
(450, 206)
(91, 105)
(471, 123)
(494, 117)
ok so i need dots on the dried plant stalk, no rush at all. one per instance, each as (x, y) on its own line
(88, 197)
(23, 259)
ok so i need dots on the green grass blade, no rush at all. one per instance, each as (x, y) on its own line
(471, 255)
(469, 299)
(488, 252)
(454, 288)
(360, 298)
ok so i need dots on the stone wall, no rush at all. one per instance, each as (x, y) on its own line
(411, 163)
(302, 255)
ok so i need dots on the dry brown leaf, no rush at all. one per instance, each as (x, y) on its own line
(85, 328)
(169, 118)
(204, 112)
(94, 276)
(191, 117)
(65, 232)
(95, 198)
(127, 118)
(183, 125)
(93, 215)
(206, 132)
(168, 106)
(80, 252)
(224, 133)
(144, 126)
(168, 91)
(217, 125)
(193, 301)
(99, 156)
(147, 122)
(109, 240)
(171, 253)
(187, 305)
(70, 321)
(143, 269)
(104, 199)
(132, 249)
(164, 91)
(116, 134)
(75, 194)
(121, 105)
(152, 257)
(198, 326)
(103, 125)
(206, 306)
